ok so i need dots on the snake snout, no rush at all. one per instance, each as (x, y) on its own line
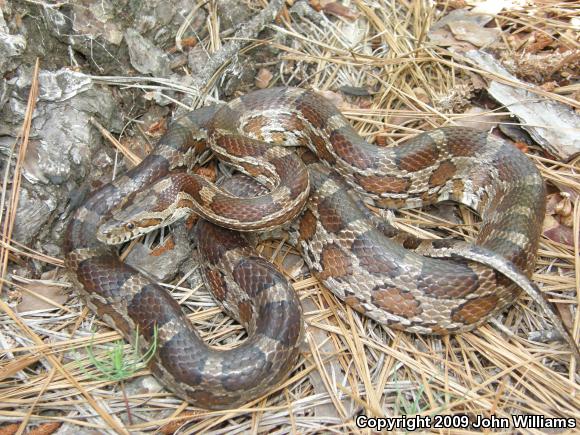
(114, 232)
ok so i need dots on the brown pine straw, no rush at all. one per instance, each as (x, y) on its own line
(8, 220)
(349, 364)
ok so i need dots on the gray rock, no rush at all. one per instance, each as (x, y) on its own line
(233, 13)
(143, 385)
(163, 267)
(62, 141)
(62, 138)
(11, 47)
(159, 20)
(33, 212)
(53, 86)
(5, 89)
(145, 56)
(92, 28)
(96, 28)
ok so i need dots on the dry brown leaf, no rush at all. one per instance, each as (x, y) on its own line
(554, 230)
(41, 429)
(263, 78)
(37, 296)
(161, 249)
(422, 95)
(549, 86)
(561, 138)
(565, 315)
(474, 33)
(315, 4)
(537, 41)
(459, 20)
(564, 207)
(380, 140)
(552, 201)
(517, 40)
(339, 10)
(158, 128)
(558, 220)
(180, 420)
(185, 42)
(522, 146)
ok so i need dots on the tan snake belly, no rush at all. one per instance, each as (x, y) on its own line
(338, 236)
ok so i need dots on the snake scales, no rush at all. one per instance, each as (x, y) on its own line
(357, 257)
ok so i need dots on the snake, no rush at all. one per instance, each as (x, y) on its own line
(323, 198)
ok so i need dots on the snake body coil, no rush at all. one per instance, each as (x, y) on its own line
(354, 257)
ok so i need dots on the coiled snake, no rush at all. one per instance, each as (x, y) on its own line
(353, 253)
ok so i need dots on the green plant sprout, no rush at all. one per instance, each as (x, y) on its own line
(402, 403)
(116, 365)
(405, 407)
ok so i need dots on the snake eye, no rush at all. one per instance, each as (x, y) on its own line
(130, 226)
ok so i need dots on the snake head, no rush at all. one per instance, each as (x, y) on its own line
(139, 214)
(115, 231)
